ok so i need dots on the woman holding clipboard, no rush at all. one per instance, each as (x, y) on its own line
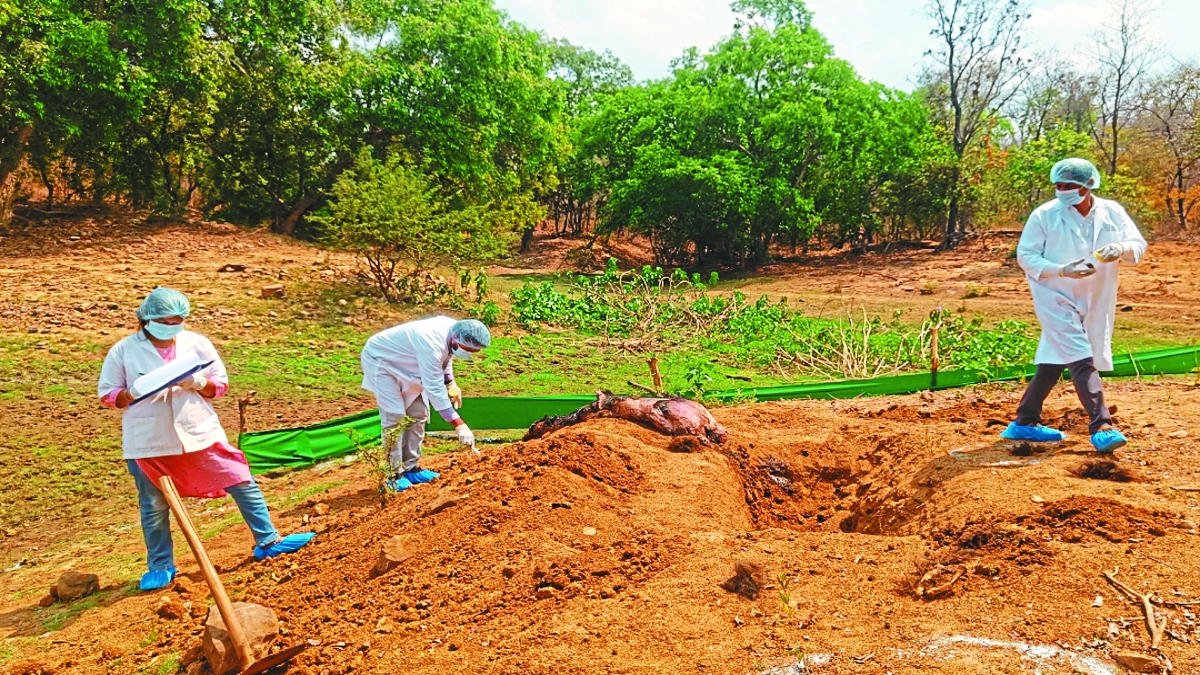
(174, 431)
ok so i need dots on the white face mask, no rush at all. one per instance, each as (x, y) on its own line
(1069, 197)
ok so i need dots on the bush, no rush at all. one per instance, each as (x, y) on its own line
(396, 220)
(651, 311)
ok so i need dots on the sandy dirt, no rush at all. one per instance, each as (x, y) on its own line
(608, 548)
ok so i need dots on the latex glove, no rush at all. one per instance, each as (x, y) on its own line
(194, 383)
(1111, 252)
(455, 395)
(1076, 270)
(465, 435)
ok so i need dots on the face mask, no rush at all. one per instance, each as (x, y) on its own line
(461, 354)
(163, 331)
(1068, 197)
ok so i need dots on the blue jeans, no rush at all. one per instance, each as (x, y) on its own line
(156, 517)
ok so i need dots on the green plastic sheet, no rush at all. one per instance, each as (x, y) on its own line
(267, 450)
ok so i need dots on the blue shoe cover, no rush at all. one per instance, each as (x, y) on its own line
(1036, 434)
(156, 580)
(399, 484)
(1107, 441)
(289, 544)
(418, 476)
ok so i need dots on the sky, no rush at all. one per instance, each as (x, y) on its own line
(884, 40)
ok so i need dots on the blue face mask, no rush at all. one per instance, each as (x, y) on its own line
(1069, 197)
(461, 354)
(163, 331)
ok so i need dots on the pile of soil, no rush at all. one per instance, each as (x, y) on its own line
(600, 549)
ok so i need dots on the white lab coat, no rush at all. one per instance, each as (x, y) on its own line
(1077, 315)
(409, 361)
(175, 420)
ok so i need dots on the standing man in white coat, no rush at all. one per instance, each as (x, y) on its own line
(410, 369)
(1071, 250)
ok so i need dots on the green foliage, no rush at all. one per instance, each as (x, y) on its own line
(766, 139)
(654, 311)
(394, 218)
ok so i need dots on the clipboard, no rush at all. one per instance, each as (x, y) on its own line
(169, 374)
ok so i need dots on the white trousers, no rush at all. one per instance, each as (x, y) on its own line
(405, 452)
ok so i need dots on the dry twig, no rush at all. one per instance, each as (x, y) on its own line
(1152, 625)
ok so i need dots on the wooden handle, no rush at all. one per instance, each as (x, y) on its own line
(232, 625)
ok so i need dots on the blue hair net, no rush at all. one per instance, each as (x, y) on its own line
(162, 303)
(1077, 171)
(472, 333)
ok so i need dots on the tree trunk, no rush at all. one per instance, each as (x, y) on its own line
(288, 225)
(527, 239)
(950, 237)
(12, 151)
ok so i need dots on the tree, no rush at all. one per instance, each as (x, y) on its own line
(1125, 54)
(394, 217)
(1171, 112)
(979, 70)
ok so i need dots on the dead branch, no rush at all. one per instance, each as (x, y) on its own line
(1152, 624)
(642, 387)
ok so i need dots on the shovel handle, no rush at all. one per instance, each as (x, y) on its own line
(240, 644)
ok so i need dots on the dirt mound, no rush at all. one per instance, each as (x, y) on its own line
(1106, 469)
(1074, 519)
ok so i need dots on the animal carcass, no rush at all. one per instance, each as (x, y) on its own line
(672, 416)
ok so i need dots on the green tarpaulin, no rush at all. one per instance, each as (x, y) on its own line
(268, 450)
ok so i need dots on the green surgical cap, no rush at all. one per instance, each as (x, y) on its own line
(1077, 171)
(163, 303)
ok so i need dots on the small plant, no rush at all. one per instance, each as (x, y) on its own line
(929, 288)
(699, 376)
(977, 291)
(380, 466)
(488, 313)
(785, 595)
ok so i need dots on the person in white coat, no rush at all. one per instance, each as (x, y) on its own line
(175, 432)
(410, 369)
(1071, 251)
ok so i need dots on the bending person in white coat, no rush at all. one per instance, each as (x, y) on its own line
(1071, 250)
(175, 432)
(410, 369)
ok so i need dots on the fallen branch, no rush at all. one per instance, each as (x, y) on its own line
(642, 387)
(1152, 625)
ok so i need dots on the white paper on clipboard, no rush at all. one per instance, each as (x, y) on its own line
(168, 374)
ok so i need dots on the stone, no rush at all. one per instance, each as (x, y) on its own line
(392, 556)
(1036, 499)
(260, 625)
(46, 601)
(321, 509)
(170, 607)
(274, 291)
(589, 531)
(194, 668)
(1138, 662)
(748, 579)
(443, 501)
(183, 586)
(1182, 433)
(74, 585)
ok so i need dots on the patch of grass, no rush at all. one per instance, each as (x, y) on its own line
(929, 287)
(150, 639)
(289, 500)
(7, 652)
(976, 291)
(170, 663)
(223, 523)
(53, 621)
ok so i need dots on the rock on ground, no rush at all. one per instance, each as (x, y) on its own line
(391, 557)
(1138, 662)
(170, 607)
(443, 501)
(260, 625)
(74, 585)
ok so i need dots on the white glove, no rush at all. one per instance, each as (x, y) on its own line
(1076, 270)
(194, 383)
(1112, 252)
(455, 395)
(465, 435)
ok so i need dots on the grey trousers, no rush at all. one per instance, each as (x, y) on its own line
(1087, 386)
(405, 452)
